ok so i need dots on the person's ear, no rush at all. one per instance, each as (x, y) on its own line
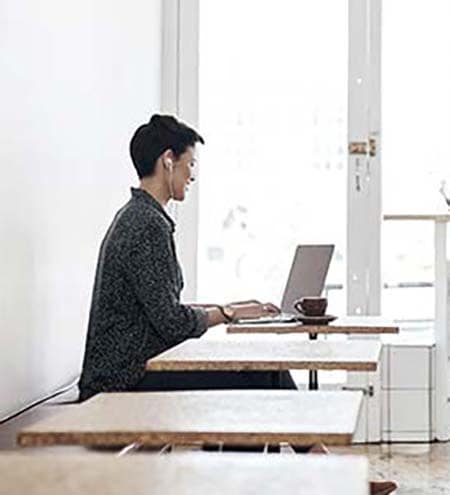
(167, 159)
(168, 163)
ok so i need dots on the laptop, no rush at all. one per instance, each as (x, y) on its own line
(306, 278)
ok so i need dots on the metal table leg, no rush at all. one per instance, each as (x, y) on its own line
(313, 375)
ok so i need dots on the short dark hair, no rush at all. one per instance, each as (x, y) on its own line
(151, 140)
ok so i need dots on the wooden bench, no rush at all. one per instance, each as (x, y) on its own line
(206, 417)
(183, 474)
(32, 414)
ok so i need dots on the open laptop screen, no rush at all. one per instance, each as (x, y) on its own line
(308, 273)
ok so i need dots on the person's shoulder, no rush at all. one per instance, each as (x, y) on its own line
(134, 223)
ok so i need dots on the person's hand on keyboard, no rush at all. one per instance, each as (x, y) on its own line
(240, 303)
(252, 310)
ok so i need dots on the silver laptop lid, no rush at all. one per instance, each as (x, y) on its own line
(308, 273)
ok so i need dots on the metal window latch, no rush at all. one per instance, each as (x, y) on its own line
(357, 148)
(362, 150)
(367, 391)
(363, 147)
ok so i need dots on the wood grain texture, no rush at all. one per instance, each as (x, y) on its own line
(238, 355)
(346, 325)
(437, 217)
(183, 474)
(235, 417)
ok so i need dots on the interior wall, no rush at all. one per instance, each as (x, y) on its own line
(76, 80)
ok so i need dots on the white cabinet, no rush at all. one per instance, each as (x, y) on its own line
(409, 367)
(407, 390)
(406, 410)
(398, 405)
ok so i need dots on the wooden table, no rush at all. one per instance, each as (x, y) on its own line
(251, 417)
(364, 325)
(239, 355)
(346, 325)
(183, 474)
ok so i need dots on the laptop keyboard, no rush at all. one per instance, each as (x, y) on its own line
(280, 318)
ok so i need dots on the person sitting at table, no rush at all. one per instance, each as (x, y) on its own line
(136, 311)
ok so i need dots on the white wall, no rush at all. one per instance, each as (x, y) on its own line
(76, 79)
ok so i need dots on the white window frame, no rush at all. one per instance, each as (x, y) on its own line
(364, 209)
(179, 95)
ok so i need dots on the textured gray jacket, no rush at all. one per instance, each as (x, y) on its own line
(135, 311)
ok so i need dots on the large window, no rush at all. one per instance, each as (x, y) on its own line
(416, 149)
(273, 110)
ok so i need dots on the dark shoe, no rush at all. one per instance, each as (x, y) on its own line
(382, 487)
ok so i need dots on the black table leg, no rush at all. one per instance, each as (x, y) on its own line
(313, 375)
(313, 381)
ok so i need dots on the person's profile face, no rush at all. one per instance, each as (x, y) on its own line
(183, 172)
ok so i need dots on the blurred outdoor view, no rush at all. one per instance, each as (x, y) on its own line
(273, 111)
(416, 150)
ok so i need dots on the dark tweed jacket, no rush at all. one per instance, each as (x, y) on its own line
(135, 310)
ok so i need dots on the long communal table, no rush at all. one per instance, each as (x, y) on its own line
(182, 474)
(251, 417)
(276, 355)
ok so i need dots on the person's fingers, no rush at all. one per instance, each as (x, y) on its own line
(244, 303)
(271, 308)
(255, 310)
(239, 305)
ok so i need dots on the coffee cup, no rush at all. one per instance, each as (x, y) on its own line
(312, 306)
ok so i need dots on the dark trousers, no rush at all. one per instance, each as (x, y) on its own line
(214, 380)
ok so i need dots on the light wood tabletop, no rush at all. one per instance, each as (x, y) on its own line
(183, 474)
(437, 217)
(283, 354)
(250, 417)
(346, 325)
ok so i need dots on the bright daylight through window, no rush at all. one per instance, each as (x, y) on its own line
(273, 110)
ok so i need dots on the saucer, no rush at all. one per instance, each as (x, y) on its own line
(316, 320)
